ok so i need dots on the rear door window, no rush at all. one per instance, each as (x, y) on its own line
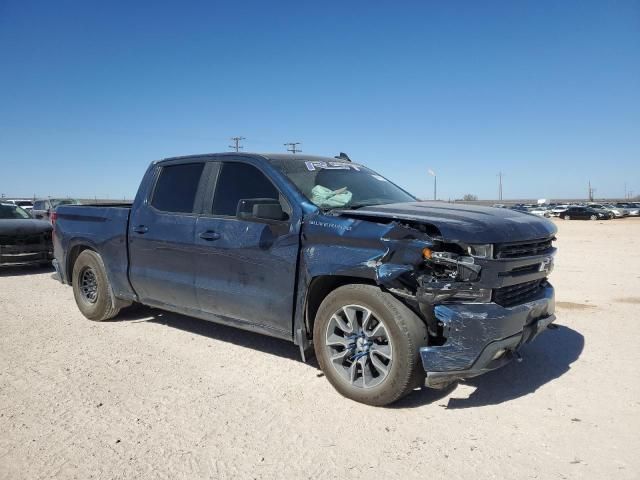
(177, 187)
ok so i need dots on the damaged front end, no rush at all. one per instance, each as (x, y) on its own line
(480, 302)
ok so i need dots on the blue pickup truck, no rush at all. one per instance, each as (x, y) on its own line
(389, 292)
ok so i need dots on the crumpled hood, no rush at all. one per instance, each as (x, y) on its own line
(465, 223)
(23, 226)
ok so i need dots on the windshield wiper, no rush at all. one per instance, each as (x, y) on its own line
(356, 206)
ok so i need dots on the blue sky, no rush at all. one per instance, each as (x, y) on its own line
(546, 92)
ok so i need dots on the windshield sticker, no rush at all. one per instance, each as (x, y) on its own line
(320, 165)
(378, 177)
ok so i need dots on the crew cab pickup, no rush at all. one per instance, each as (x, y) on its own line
(389, 292)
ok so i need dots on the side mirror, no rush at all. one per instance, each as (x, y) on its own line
(260, 208)
(269, 211)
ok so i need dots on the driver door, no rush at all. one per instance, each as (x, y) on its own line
(246, 267)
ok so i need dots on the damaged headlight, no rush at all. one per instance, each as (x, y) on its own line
(453, 266)
(481, 251)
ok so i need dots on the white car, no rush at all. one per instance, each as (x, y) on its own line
(558, 209)
(22, 203)
(540, 211)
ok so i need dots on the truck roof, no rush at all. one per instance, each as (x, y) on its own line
(257, 156)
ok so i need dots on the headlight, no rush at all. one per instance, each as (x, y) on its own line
(481, 251)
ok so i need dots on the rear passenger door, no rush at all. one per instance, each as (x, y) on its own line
(161, 233)
(246, 268)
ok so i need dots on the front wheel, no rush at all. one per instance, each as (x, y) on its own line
(91, 287)
(367, 343)
(567, 217)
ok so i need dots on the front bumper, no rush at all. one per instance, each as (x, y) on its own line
(483, 336)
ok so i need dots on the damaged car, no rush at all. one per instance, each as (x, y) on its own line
(23, 240)
(389, 293)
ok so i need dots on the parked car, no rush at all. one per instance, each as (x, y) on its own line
(23, 240)
(630, 208)
(558, 210)
(42, 208)
(390, 292)
(540, 211)
(22, 203)
(617, 211)
(519, 208)
(614, 211)
(585, 213)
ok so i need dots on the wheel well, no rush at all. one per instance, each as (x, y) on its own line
(71, 260)
(322, 286)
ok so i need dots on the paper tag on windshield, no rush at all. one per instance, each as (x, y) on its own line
(321, 165)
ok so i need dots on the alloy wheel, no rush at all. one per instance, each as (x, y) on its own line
(359, 346)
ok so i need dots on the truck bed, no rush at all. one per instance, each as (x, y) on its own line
(104, 227)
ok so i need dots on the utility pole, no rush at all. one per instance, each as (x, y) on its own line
(237, 147)
(435, 178)
(591, 190)
(500, 186)
(625, 190)
(293, 147)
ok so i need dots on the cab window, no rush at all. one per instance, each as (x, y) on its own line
(176, 187)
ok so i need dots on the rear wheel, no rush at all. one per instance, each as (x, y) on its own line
(367, 343)
(593, 217)
(91, 288)
(567, 217)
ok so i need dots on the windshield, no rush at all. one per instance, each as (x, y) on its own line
(12, 212)
(341, 184)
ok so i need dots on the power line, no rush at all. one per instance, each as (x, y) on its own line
(237, 147)
(293, 147)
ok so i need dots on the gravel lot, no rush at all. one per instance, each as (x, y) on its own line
(158, 395)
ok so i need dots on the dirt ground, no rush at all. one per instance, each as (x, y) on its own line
(158, 395)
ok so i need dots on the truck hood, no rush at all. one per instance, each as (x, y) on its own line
(464, 223)
(23, 226)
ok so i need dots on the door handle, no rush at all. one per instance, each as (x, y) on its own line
(141, 229)
(209, 235)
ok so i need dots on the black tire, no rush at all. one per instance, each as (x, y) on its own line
(406, 334)
(97, 303)
(567, 217)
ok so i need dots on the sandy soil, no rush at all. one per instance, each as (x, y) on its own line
(158, 395)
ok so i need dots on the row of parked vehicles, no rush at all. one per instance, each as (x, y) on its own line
(580, 211)
(40, 209)
(596, 211)
(26, 230)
